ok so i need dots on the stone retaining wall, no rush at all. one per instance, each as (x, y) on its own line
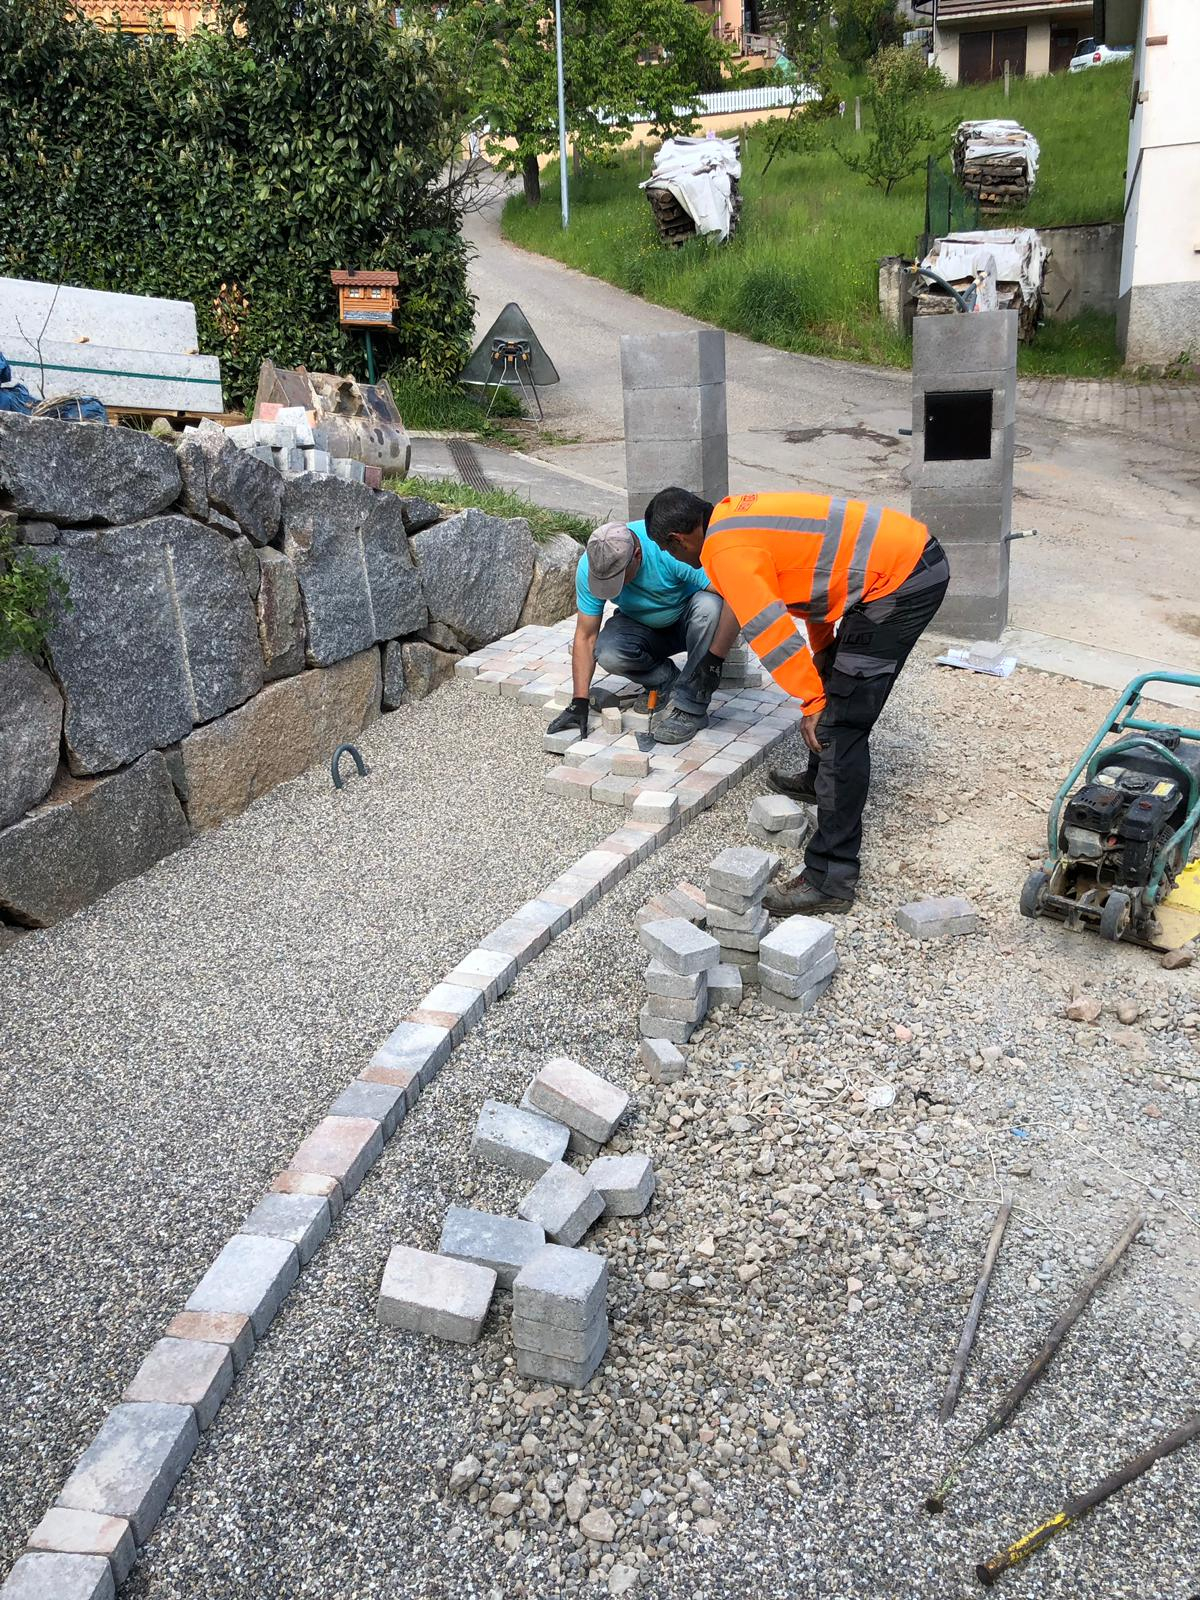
(227, 629)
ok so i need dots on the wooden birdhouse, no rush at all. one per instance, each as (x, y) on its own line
(365, 299)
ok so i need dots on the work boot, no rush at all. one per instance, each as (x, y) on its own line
(642, 704)
(676, 726)
(796, 785)
(797, 897)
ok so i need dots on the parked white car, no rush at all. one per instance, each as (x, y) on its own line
(1093, 53)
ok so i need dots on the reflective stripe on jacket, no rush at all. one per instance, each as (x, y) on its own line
(775, 557)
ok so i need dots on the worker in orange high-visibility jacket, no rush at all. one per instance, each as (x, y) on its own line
(865, 581)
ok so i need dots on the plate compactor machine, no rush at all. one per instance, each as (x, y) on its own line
(1121, 843)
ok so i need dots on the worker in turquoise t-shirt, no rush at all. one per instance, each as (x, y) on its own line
(664, 608)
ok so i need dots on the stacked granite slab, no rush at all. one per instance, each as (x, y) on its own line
(677, 978)
(741, 666)
(796, 963)
(780, 823)
(737, 881)
(560, 1315)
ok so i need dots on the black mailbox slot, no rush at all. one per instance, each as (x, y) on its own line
(958, 425)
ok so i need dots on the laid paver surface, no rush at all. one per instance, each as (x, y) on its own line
(794, 1291)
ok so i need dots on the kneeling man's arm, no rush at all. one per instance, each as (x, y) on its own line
(583, 654)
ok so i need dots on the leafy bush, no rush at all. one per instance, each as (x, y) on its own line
(235, 170)
(897, 70)
(866, 26)
(29, 588)
(902, 132)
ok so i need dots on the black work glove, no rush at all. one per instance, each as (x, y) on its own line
(707, 677)
(575, 716)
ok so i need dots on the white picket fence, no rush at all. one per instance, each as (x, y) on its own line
(727, 101)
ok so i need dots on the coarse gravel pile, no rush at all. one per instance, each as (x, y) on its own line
(784, 1315)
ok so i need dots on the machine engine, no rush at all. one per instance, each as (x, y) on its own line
(1117, 823)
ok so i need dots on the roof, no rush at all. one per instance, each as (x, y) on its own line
(344, 276)
(950, 11)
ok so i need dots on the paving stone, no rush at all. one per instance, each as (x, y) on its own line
(631, 764)
(502, 1243)
(318, 1183)
(543, 1339)
(463, 1000)
(653, 1025)
(693, 1010)
(740, 904)
(44, 1575)
(301, 1219)
(564, 1287)
(624, 1183)
(185, 1372)
(418, 1045)
(435, 1294)
(773, 812)
(489, 970)
(783, 838)
(233, 1329)
(571, 1374)
(251, 1274)
(946, 918)
(563, 1204)
(721, 921)
(522, 1141)
(797, 944)
(655, 806)
(663, 1060)
(799, 1003)
(679, 945)
(87, 1533)
(581, 1100)
(611, 790)
(732, 942)
(725, 986)
(661, 980)
(791, 984)
(406, 1079)
(345, 1148)
(519, 940)
(384, 1103)
(133, 1464)
(559, 743)
(740, 870)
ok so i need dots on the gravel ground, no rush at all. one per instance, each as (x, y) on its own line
(167, 1049)
(784, 1315)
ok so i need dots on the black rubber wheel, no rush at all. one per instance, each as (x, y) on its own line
(1031, 894)
(1114, 918)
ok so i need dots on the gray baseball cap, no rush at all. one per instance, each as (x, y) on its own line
(609, 551)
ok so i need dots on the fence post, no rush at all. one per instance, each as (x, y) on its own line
(1006, 70)
(858, 113)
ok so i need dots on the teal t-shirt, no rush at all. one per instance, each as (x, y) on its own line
(656, 596)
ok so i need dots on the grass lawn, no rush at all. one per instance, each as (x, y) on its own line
(802, 272)
(543, 524)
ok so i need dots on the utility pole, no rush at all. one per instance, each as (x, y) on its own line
(562, 115)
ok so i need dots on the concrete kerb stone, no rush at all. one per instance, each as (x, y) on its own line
(384, 1103)
(489, 970)
(301, 1219)
(415, 1044)
(504, 1244)
(439, 1295)
(406, 1079)
(251, 1274)
(563, 1204)
(133, 1464)
(184, 1372)
(345, 1148)
(53, 1575)
(315, 1183)
(624, 1183)
(464, 1000)
(519, 1140)
(87, 1533)
(233, 1329)
(581, 1100)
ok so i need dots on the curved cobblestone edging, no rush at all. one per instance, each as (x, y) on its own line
(85, 1545)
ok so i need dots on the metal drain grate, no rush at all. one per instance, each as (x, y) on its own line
(466, 464)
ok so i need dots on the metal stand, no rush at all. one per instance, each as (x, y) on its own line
(370, 356)
(512, 356)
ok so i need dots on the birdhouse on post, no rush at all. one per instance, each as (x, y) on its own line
(365, 299)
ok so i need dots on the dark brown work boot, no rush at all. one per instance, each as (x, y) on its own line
(796, 785)
(796, 897)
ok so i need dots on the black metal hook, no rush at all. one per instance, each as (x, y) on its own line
(335, 764)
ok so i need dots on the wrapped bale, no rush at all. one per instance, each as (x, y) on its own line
(996, 161)
(694, 188)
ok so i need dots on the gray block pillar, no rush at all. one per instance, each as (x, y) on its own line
(676, 432)
(964, 420)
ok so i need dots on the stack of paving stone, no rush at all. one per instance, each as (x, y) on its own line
(677, 978)
(560, 1315)
(780, 823)
(684, 900)
(741, 666)
(737, 881)
(295, 443)
(796, 963)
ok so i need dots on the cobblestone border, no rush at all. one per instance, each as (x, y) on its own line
(85, 1545)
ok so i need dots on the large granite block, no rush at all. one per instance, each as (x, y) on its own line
(238, 483)
(476, 571)
(551, 594)
(75, 473)
(31, 714)
(280, 617)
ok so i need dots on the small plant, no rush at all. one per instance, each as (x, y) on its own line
(903, 131)
(29, 589)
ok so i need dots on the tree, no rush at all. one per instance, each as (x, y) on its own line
(902, 127)
(804, 29)
(864, 27)
(623, 61)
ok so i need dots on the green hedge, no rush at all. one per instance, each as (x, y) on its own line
(235, 170)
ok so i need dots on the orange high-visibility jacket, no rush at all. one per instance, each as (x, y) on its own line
(775, 557)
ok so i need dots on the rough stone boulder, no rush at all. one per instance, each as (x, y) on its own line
(475, 571)
(423, 667)
(418, 513)
(80, 473)
(393, 686)
(87, 836)
(283, 731)
(280, 616)
(551, 595)
(161, 635)
(351, 554)
(31, 714)
(236, 482)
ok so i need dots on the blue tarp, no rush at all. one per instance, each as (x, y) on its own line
(16, 397)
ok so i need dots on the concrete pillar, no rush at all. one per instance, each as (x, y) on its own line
(964, 421)
(676, 433)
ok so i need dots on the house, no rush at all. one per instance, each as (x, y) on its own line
(180, 17)
(741, 23)
(972, 39)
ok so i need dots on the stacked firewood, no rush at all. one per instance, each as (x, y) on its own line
(675, 226)
(996, 162)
